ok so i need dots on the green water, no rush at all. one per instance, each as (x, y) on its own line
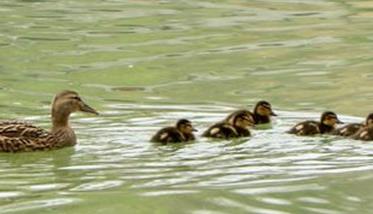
(144, 64)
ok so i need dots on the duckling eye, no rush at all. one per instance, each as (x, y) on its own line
(77, 98)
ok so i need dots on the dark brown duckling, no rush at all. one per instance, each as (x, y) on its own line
(23, 137)
(366, 132)
(182, 132)
(237, 126)
(327, 124)
(221, 130)
(353, 128)
(262, 113)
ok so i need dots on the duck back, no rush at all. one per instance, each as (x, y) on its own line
(305, 128)
(30, 138)
(169, 135)
(20, 129)
(365, 134)
(348, 130)
(222, 130)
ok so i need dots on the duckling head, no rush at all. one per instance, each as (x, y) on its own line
(185, 126)
(244, 120)
(264, 108)
(329, 118)
(369, 120)
(65, 103)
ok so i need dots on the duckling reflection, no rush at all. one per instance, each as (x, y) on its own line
(262, 113)
(182, 132)
(23, 137)
(366, 132)
(327, 124)
(237, 125)
(351, 129)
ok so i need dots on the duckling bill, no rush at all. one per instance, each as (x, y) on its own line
(239, 126)
(24, 137)
(182, 132)
(327, 124)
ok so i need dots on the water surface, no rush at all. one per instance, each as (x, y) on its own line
(145, 64)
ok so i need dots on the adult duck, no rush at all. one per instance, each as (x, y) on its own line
(25, 137)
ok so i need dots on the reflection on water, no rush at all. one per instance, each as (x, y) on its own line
(145, 64)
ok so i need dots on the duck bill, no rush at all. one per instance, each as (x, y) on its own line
(194, 130)
(273, 114)
(339, 122)
(88, 109)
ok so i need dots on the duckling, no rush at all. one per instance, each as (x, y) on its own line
(24, 137)
(262, 113)
(353, 128)
(366, 132)
(182, 132)
(326, 125)
(238, 126)
(222, 130)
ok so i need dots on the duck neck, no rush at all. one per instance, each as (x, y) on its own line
(325, 128)
(259, 119)
(60, 119)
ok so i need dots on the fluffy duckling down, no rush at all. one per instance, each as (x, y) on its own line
(234, 126)
(327, 124)
(181, 132)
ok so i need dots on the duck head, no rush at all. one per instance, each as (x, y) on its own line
(185, 126)
(264, 108)
(65, 103)
(330, 119)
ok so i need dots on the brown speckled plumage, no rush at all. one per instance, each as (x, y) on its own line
(16, 136)
(20, 129)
